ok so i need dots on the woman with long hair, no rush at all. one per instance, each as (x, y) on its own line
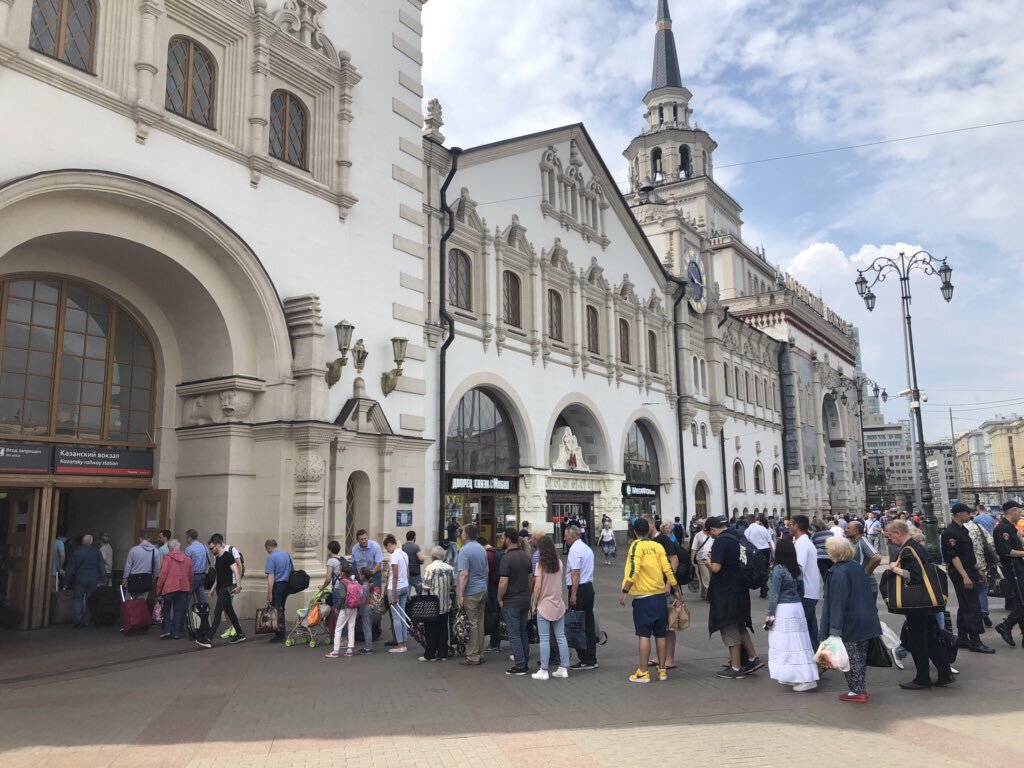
(790, 655)
(549, 606)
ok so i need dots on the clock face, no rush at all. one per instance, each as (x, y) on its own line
(698, 289)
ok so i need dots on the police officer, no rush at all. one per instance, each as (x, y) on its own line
(963, 567)
(1011, 556)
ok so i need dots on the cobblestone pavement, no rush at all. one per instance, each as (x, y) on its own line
(259, 705)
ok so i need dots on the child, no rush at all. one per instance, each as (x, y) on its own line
(790, 656)
(346, 616)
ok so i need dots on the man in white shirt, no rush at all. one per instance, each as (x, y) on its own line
(579, 578)
(873, 529)
(759, 535)
(396, 587)
(807, 557)
(836, 528)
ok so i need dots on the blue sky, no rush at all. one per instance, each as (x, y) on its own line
(771, 79)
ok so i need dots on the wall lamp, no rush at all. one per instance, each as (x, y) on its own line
(343, 331)
(389, 379)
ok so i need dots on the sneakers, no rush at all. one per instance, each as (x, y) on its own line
(731, 674)
(230, 633)
(540, 674)
(204, 643)
(854, 698)
(165, 636)
(517, 671)
(582, 665)
(348, 653)
(640, 676)
(561, 672)
(753, 665)
(801, 687)
(896, 660)
(399, 649)
(332, 655)
(365, 651)
(1006, 633)
(492, 649)
(237, 639)
(662, 674)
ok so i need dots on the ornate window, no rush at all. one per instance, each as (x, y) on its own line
(460, 280)
(289, 128)
(652, 351)
(776, 480)
(696, 375)
(703, 435)
(593, 331)
(511, 299)
(736, 381)
(656, 170)
(685, 165)
(191, 89)
(737, 476)
(693, 433)
(700, 498)
(555, 316)
(747, 388)
(758, 389)
(481, 438)
(758, 478)
(640, 460)
(728, 381)
(624, 341)
(76, 367)
(65, 30)
(703, 377)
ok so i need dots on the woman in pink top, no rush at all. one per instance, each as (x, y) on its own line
(549, 606)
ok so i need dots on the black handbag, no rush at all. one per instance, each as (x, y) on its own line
(901, 597)
(532, 631)
(576, 629)
(878, 655)
(423, 608)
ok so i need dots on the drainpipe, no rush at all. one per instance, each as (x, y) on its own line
(681, 428)
(449, 322)
(725, 476)
(783, 375)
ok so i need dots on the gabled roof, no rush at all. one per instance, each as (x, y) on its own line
(666, 60)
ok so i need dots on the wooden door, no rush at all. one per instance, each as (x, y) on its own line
(153, 513)
(21, 508)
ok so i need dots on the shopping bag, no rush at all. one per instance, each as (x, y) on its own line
(678, 617)
(377, 602)
(832, 654)
(423, 608)
(877, 654)
(890, 638)
(576, 629)
(267, 620)
(158, 611)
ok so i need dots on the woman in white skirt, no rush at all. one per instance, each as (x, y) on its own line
(607, 541)
(790, 656)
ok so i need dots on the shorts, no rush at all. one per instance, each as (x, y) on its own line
(650, 616)
(732, 635)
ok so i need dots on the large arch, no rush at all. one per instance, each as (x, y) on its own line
(580, 412)
(648, 419)
(503, 391)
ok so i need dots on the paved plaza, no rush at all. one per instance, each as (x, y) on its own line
(93, 698)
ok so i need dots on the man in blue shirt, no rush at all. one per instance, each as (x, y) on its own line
(200, 557)
(279, 568)
(985, 519)
(471, 566)
(367, 554)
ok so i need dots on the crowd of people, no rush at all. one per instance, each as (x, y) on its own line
(523, 592)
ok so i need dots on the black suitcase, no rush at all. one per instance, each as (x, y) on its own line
(105, 605)
(198, 622)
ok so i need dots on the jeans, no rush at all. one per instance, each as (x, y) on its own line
(546, 627)
(981, 590)
(174, 605)
(474, 607)
(401, 630)
(199, 588)
(436, 633)
(278, 597)
(414, 583)
(585, 603)
(810, 608)
(80, 603)
(224, 606)
(516, 620)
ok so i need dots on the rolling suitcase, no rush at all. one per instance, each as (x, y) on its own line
(198, 620)
(104, 605)
(135, 616)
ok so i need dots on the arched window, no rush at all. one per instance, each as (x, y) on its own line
(289, 128)
(758, 478)
(737, 476)
(703, 435)
(728, 380)
(191, 88)
(76, 366)
(700, 499)
(555, 316)
(460, 280)
(624, 342)
(511, 299)
(703, 377)
(685, 164)
(481, 438)
(696, 374)
(593, 331)
(661, 115)
(652, 351)
(776, 480)
(640, 462)
(65, 30)
(656, 169)
(693, 433)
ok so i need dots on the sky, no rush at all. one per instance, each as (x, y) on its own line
(772, 79)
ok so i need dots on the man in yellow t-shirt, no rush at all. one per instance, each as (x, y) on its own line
(647, 580)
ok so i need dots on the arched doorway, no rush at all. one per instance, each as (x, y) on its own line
(357, 506)
(577, 445)
(700, 499)
(642, 489)
(834, 449)
(482, 464)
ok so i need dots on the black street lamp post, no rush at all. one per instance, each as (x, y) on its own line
(902, 266)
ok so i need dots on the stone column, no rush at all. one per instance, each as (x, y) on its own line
(147, 55)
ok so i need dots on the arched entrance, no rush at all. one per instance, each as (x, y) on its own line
(482, 464)
(700, 499)
(641, 492)
(834, 448)
(357, 507)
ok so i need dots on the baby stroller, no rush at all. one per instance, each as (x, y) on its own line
(311, 627)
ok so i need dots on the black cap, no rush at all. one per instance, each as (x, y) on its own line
(1011, 504)
(960, 507)
(715, 522)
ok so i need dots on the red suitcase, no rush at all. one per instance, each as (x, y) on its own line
(135, 616)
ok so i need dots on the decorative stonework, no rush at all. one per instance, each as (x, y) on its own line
(306, 533)
(228, 400)
(301, 20)
(309, 468)
(569, 453)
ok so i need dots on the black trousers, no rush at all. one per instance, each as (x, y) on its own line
(968, 614)
(585, 603)
(767, 555)
(925, 644)
(437, 638)
(1014, 597)
(224, 606)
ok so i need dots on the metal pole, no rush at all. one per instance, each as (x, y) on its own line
(863, 452)
(913, 439)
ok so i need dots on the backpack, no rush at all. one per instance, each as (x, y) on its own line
(240, 560)
(355, 594)
(753, 565)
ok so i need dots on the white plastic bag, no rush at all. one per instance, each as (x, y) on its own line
(832, 654)
(889, 638)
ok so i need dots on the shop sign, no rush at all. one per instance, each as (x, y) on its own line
(483, 484)
(403, 518)
(32, 458)
(111, 462)
(636, 491)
